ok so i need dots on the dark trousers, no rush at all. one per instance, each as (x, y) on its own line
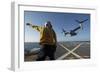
(46, 50)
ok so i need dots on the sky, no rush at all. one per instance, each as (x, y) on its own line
(59, 21)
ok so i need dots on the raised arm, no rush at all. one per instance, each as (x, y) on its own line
(38, 28)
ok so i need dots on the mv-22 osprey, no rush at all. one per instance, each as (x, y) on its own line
(74, 31)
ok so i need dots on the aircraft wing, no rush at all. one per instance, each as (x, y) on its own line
(76, 29)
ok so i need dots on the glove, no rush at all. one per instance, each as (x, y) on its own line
(28, 24)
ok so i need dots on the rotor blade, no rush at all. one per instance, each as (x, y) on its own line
(66, 33)
(81, 21)
(84, 21)
(63, 30)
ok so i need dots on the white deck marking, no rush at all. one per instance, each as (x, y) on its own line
(70, 51)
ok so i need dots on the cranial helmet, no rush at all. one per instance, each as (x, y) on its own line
(48, 23)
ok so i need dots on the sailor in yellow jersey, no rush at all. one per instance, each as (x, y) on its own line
(48, 41)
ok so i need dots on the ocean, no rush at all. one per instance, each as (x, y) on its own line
(32, 45)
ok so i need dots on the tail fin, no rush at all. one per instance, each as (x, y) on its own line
(81, 21)
(81, 26)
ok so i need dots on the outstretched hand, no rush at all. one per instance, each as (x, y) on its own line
(28, 24)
